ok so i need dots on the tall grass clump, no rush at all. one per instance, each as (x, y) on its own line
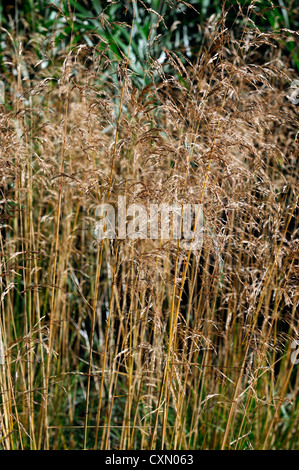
(139, 343)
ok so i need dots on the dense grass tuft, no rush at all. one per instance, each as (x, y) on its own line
(140, 344)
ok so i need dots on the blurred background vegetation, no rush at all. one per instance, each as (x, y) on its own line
(50, 28)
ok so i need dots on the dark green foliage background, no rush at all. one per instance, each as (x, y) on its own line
(62, 23)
